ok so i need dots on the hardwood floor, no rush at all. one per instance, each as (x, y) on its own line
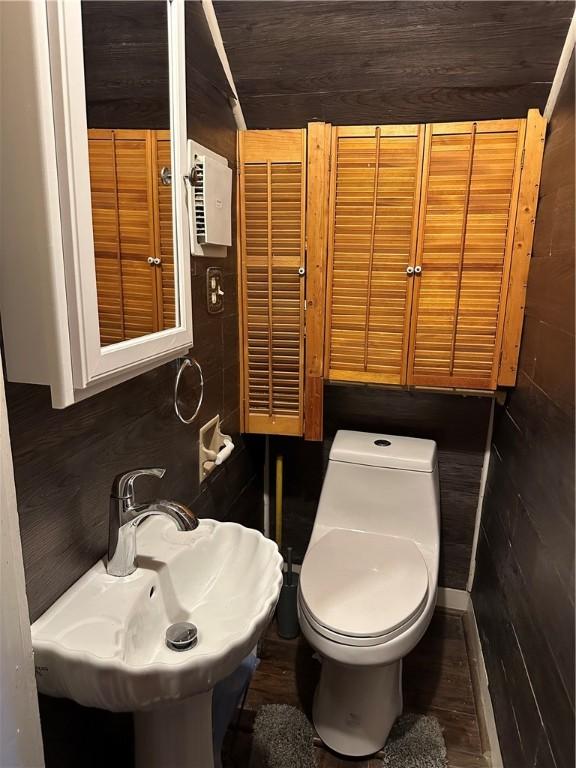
(437, 681)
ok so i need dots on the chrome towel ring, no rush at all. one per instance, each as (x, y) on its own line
(187, 362)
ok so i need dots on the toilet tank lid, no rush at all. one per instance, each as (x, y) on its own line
(390, 451)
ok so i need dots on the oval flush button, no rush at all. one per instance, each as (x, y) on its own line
(382, 443)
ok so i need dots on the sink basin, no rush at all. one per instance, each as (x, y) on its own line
(103, 644)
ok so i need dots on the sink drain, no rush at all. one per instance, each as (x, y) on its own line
(181, 636)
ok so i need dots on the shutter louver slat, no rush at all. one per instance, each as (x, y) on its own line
(272, 197)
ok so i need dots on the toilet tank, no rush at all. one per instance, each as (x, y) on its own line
(381, 484)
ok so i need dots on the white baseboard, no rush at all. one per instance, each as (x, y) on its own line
(482, 694)
(454, 599)
(460, 600)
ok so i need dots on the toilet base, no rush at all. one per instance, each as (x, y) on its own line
(355, 707)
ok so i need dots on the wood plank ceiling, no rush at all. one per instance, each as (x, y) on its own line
(390, 62)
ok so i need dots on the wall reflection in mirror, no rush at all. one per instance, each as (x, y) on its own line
(128, 113)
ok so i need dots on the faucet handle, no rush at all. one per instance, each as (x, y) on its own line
(123, 485)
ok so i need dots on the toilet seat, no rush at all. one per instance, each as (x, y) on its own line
(361, 588)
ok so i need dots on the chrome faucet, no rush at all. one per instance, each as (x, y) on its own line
(126, 516)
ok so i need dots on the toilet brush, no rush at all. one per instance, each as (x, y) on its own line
(287, 610)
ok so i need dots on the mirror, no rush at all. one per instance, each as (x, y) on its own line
(127, 85)
(99, 243)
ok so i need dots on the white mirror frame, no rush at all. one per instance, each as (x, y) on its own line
(91, 361)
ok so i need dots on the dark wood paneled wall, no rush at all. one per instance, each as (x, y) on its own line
(459, 426)
(390, 62)
(524, 588)
(65, 460)
(127, 84)
(210, 117)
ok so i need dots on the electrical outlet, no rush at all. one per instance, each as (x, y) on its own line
(214, 292)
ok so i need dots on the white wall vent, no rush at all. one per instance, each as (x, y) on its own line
(211, 204)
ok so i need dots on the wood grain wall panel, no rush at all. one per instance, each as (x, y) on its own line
(459, 426)
(208, 95)
(388, 62)
(403, 104)
(524, 588)
(126, 84)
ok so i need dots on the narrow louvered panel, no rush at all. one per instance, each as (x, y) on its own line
(139, 303)
(272, 198)
(375, 192)
(109, 291)
(355, 168)
(164, 235)
(467, 216)
(136, 228)
(106, 242)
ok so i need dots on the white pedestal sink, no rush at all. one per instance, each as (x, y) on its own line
(102, 643)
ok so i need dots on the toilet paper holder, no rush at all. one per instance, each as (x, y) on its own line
(214, 446)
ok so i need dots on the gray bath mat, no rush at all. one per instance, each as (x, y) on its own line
(415, 741)
(283, 738)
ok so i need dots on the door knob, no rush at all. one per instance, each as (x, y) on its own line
(409, 270)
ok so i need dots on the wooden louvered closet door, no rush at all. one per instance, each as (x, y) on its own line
(375, 189)
(132, 222)
(466, 229)
(272, 250)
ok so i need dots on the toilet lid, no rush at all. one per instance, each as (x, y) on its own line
(363, 584)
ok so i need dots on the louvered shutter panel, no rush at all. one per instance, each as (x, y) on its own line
(166, 294)
(375, 188)
(467, 215)
(101, 153)
(136, 230)
(272, 245)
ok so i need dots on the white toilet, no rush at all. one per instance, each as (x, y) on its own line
(368, 582)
